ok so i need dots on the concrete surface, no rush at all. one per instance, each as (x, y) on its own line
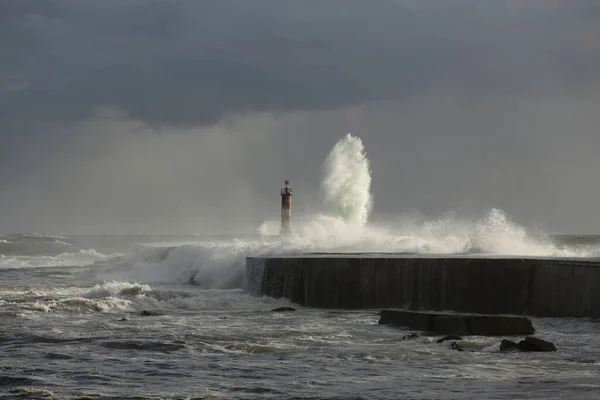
(478, 284)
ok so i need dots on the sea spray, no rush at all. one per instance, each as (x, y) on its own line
(346, 190)
(347, 182)
(221, 264)
(346, 187)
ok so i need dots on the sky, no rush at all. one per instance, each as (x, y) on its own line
(131, 116)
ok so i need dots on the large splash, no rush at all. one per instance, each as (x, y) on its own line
(345, 227)
(347, 182)
(346, 190)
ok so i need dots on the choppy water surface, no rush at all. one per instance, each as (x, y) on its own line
(70, 325)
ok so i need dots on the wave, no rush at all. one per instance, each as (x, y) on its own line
(105, 297)
(347, 227)
(7, 380)
(144, 345)
(115, 288)
(33, 244)
(25, 392)
(80, 304)
(85, 255)
(209, 265)
(77, 258)
(221, 265)
(347, 181)
(36, 236)
(131, 297)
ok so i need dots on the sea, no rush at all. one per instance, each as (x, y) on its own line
(169, 317)
(172, 317)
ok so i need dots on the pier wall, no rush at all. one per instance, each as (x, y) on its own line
(536, 286)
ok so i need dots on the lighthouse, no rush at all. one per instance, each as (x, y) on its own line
(286, 209)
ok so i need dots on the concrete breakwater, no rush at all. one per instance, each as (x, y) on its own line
(542, 287)
(458, 323)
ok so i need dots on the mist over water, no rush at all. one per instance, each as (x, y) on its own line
(344, 226)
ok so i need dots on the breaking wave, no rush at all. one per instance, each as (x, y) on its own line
(120, 296)
(33, 244)
(77, 258)
(347, 182)
(345, 228)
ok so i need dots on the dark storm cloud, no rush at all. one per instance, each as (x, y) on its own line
(108, 108)
(190, 62)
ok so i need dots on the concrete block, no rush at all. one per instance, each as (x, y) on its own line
(450, 325)
(458, 324)
(410, 319)
(496, 325)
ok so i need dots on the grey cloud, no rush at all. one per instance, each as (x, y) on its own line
(188, 62)
(536, 160)
(462, 105)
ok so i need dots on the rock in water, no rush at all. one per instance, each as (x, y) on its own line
(455, 346)
(530, 343)
(410, 336)
(146, 313)
(283, 309)
(449, 337)
(508, 345)
(536, 344)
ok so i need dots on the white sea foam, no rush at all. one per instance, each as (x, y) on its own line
(347, 182)
(41, 306)
(81, 304)
(345, 228)
(115, 288)
(205, 300)
(81, 257)
(104, 297)
(118, 296)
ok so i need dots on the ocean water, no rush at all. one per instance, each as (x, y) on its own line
(62, 333)
(72, 322)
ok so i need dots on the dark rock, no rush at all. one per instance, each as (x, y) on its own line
(146, 313)
(410, 336)
(449, 337)
(528, 344)
(508, 345)
(124, 319)
(536, 344)
(455, 346)
(222, 317)
(283, 309)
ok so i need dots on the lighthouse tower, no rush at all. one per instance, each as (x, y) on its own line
(286, 209)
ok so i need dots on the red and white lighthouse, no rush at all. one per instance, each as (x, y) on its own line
(286, 208)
